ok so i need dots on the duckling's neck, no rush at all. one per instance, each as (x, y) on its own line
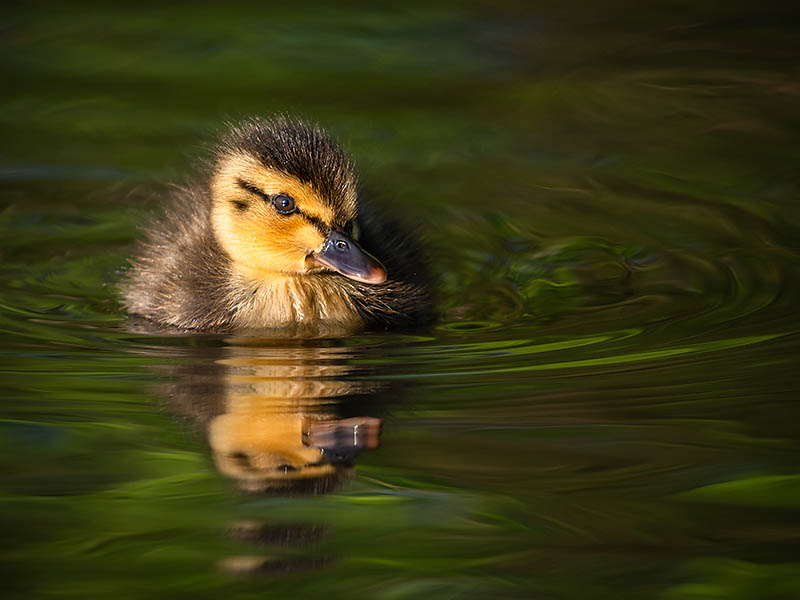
(307, 301)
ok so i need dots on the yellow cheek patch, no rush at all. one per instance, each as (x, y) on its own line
(309, 237)
(259, 249)
(259, 240)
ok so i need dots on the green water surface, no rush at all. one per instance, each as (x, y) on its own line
(607, 406)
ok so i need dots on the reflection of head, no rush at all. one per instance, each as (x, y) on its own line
(269, 452)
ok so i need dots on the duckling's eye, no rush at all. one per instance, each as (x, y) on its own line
(284, 204)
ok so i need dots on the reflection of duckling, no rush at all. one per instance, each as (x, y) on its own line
(276, 239)
(270, 416)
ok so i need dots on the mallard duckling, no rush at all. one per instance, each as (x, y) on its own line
(276, 238)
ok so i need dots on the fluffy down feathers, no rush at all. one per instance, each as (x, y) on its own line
(182, 278)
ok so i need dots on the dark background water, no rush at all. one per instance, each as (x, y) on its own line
(607, 406)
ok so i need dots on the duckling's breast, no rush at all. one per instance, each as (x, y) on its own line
(288, 301)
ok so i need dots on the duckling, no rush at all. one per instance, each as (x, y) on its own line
(276, 238)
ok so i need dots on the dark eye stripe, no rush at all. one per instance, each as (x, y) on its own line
(315, 221)
(253, 189)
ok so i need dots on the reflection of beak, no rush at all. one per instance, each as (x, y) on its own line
(341, 441)
(344, 256)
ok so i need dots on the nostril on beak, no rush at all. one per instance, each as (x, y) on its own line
(343, 255)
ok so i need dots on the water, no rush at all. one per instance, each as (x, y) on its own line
(606, 407)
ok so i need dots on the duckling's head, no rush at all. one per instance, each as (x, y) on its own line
(284, 202)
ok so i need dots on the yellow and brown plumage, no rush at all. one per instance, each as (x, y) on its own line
(277, 238)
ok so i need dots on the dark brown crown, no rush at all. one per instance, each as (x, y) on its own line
(302, 150)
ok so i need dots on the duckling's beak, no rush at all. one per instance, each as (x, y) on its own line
(341, 441)
(344, 256)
